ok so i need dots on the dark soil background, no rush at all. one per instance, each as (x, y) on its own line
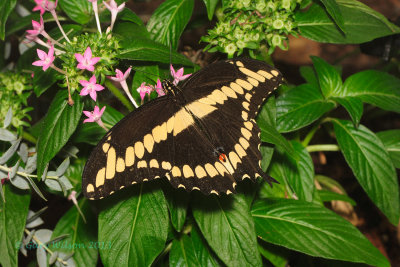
(365, 215)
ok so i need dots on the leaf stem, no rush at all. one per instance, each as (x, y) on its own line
(119, 95)
(310, 135)
(28, 137)
(3, 168)
(41, 244)
(329, 147)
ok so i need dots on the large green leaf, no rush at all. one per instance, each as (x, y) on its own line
(328, 77)
(13, 213)
(43, 80)
(299, 107)
(177, 201)
(143, 49)
(334, 11)
(204, 254)
(81, 237)
(314, 230)
(6, 6)
(135, 221)
(59, 124)
(182, 253)
(374, 87)
(371, 165)
(362, 24)
(353, 105)
(169, 20)
(277, 255)
(391, 141)
(226, 222)
(79, 11)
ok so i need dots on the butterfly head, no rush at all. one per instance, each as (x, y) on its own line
(168, 87)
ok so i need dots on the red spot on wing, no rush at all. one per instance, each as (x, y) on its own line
(222, 157)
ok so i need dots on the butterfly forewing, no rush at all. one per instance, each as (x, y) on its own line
(202, 138)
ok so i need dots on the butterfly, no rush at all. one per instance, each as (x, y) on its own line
(201, 135)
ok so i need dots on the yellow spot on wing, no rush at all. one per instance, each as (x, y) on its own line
(154, 163)
(245, 133)
(244, 84)
(234, 159)
(237, 88)
(200, 172)
(142, 164)
(89, 188)
(275, 73)
(253, 82)
(207, 100)
(111, 160)
(156, 132)
(187, 171)
(248, 97)
(228, 91)
(221, 169)
(139, 149)
(129, 156)
(163, 132)
(248, 125)
(211, 170)
(240, 151)
(239, 64)
(106, 146)
(170, 124)
(265, 74)
(252, 74)
(120, 165)
(244, 143)
(176, 172)
(166, 165)
(245, 115)
(246, 105)
(218, 96)
(148, 142)
(100, 177)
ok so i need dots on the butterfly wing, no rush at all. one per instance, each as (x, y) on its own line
(133, 151)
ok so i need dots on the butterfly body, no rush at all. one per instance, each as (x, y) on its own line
(201, 135)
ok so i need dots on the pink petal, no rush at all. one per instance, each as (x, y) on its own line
(88, 120)
(94, 60)
(90, 68)
(46, 66)
(88, 53)
(79, 57)
(179, 73)
(102, 111)
(38, 63)
(172, 70)
(87, 113)
(84, 83)
(93, 95)
(84, 91)
(41, 54)
(96, 110)
(92, 79)
(98, 87)
(51, 52)
(119, 74)
(81, 66)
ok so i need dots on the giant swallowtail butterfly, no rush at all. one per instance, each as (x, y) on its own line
(201, 135)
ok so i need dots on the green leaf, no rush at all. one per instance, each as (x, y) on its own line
(391, 141)
(371, 165)
(128, 15)
(277, 255)
(131, 30)
(353, 105)
(211, 5)
(327, 196)
(308, 73)
(334, 11)
(81, 237)
(328, 77)
(183, 253)
(43, 80)
(135, 221)
(299, 170)
(300, 107)
(79, 11)
(266, 120)
(225, 222)
(6, 6)
(362, 24)
(314, 230)
(59, 124)
(377, 88)
(169, 20)
(13, 214)
(177, 201)
(147, 50)
(203, 252)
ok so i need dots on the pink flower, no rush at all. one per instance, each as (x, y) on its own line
(159, 89)
(90, 87)
(46, 60)
(119, 76)
(143, 90)
(86, 61)
(178, 76)
(114, 9)
(95, 116)
(39, 6)
(49, 5)
(38, 28)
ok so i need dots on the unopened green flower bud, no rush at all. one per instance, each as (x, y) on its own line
(271, 6)
(246, 3)
(278, 24)
(286, 4)
(261, 6)
(276, 40)
(240, 44)
(230, 49)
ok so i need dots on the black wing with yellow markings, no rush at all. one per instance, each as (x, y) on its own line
(201, 137)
